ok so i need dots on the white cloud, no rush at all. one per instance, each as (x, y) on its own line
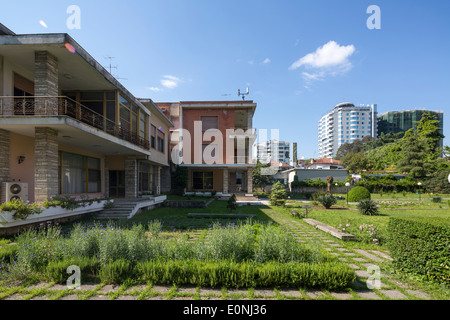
(331, 59)
(329, 55)
(155, 89)
(170, 82)
(266, 61)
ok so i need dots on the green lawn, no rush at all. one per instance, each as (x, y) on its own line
(177, 217)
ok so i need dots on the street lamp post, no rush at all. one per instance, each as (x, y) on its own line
(346, 186)
(419, 184)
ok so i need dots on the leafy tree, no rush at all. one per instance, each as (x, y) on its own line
(260, 180)
(429, 128)
(356, 162)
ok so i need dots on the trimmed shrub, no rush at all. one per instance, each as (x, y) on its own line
(436, 199)
(230, 274)
(325, 199)
(420, 247)
(357, 194)
(368, 207)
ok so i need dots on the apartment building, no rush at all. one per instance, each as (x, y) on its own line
(402, 121)
(345, 123)
(68, 127)
(274, 150)
(213, 139)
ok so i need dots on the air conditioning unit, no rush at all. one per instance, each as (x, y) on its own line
(14, 190)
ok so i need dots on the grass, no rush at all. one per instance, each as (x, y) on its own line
(177, 225)
(176, 218)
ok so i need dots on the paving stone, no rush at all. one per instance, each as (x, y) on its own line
(126, 297)
(137, 289)
(382, 254)
(15, 296)
(191, 290)
(369, 255)
(341, 295)
(290, 293)
(314, 293)
(359, 259)
(350, 254)
(264, 292)
(99, 297)
(69, 297)
(109, 288)
(419, 294)
(161, 289)
(368, 295)
(393, 294)
(354, 266)
(208, 291)
(362, 273)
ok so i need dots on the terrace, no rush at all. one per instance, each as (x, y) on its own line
(30, 106)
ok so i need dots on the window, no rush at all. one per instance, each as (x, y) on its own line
(142, 125)
(202, 180)
(153, 137)
(145, 179)
(79, 174)
(209, 122)
(161, 141)
(124, 112)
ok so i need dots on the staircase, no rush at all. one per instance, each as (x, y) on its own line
(127, 208)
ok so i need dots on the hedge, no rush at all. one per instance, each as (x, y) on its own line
(421, 247)
(218, 274)
(358, 193)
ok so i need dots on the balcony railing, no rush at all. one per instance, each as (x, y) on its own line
(64, 106)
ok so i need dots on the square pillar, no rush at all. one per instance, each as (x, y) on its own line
(158, 180)
(250, 180)
(46, 182)
(225, 181)
(131, 177)
(46, 83)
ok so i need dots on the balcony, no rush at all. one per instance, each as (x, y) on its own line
(64, 106)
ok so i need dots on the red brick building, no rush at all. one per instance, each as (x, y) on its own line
(213, 139)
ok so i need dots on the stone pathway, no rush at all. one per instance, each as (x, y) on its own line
(365, 262)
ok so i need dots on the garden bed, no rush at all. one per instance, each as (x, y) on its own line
(9, 220)
(232, 256)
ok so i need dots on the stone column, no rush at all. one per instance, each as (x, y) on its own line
(46, 180)
(4, 156)
(158, 180)
(249, 180)
(225, 181)
(131, 177)
(46, 83)
(106, 178)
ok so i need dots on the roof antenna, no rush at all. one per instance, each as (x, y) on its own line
(113, 67)
(243, 94)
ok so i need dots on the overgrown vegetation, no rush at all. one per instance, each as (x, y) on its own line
(233, 255)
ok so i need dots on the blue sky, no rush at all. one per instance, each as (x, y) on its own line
(179, 50)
